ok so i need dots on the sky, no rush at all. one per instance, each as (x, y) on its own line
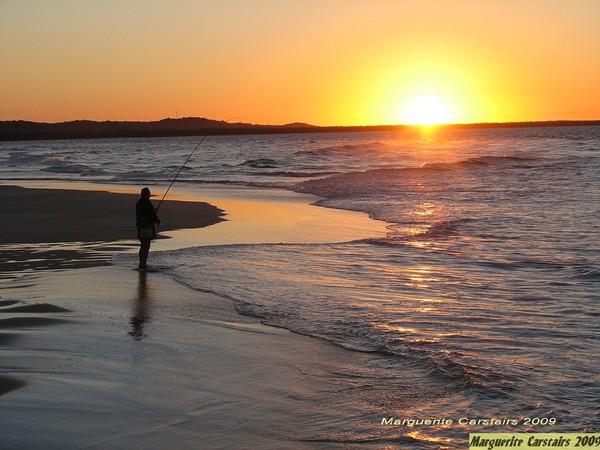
(323, 62)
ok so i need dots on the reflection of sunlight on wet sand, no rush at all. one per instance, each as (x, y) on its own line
(274, 216)
(253, 216)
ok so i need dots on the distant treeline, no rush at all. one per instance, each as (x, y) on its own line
(18, 130)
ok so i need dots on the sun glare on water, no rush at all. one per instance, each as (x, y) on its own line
(426, 110)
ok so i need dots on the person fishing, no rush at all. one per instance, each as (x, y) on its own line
(146, 221)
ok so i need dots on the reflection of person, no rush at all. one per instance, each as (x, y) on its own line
(141, 309)
(147, 220)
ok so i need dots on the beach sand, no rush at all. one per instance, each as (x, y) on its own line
(59, 215)
(111, 358)
(108, 357)
(79, 228)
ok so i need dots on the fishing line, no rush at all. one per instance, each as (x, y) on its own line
(189, 157)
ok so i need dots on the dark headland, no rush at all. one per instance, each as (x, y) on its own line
(19, 130)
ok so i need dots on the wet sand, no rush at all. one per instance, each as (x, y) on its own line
(67, 228)
(111, 358)
(108, 357)
(64, 215)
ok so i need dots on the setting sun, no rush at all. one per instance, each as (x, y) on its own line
(426, 110)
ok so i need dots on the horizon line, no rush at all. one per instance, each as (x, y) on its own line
(298, 124)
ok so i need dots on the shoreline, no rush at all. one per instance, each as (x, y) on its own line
(57, 228)
(33, 215)
(142, 361)
(60, 225)
(104, 357)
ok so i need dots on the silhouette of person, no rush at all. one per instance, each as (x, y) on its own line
(146, 221)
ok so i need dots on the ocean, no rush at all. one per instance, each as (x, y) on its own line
(478, 311)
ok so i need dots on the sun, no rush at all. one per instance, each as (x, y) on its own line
(426, 110)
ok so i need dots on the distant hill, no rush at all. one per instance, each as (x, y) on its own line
(87, 129)
(200, 126)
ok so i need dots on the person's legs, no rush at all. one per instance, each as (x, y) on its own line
(144, 251)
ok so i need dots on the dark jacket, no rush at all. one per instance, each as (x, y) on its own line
(145, 213)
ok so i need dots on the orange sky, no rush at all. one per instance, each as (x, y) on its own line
(325, 62)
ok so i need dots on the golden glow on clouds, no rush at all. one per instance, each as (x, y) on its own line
(327, 62)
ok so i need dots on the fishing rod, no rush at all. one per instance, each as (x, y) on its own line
(190, 156)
